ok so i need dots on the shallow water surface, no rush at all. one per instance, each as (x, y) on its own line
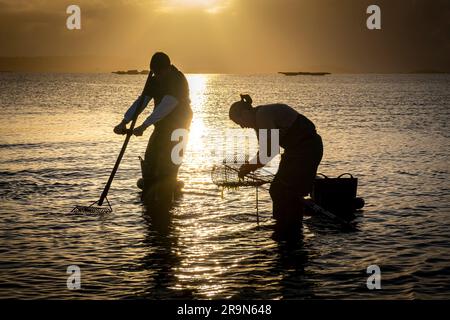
(57, 150)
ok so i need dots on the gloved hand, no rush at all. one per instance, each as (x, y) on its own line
(139, 131)
(246, 168)
(121, 128)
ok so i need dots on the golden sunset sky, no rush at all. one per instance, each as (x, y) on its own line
(226, 36)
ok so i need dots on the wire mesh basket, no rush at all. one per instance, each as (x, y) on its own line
(226, 175)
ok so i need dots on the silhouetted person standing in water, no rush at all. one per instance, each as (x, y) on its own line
(169, 89)
(303, 152)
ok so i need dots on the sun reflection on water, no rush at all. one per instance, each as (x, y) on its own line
(197, 86)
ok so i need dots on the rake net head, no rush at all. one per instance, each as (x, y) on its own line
(91, 210)
(226, 176)
(94, 208)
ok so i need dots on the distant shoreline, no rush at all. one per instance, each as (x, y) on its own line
(108, 64)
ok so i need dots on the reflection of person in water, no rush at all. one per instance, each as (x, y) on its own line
(302, 153)
(161, 260)
(170, 91)
(291, 259)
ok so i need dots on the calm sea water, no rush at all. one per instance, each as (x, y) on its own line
(57, 149)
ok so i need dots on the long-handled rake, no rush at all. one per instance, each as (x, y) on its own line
(96, 206)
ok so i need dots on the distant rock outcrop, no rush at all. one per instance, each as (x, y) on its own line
(131, 72)
(304, 73)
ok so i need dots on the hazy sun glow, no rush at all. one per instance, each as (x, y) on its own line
(210, 6)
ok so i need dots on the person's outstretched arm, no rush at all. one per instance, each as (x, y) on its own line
(147, 95)
(162, 110)
(130, 114)
(265, 148)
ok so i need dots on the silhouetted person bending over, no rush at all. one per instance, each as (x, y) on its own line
(169, 89)
(303, 152)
